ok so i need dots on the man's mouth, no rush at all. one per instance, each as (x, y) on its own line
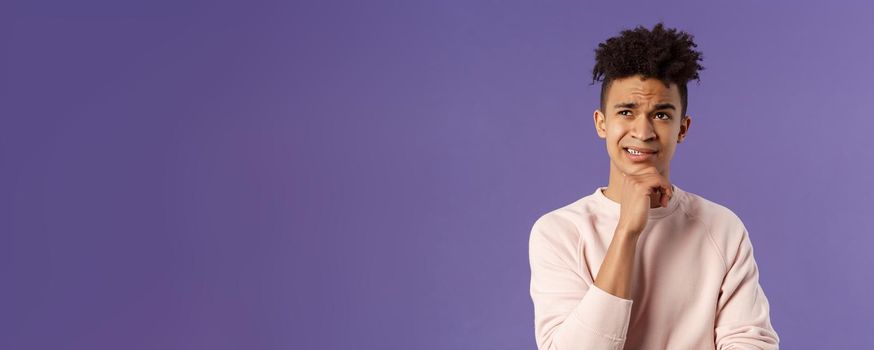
(639, 151)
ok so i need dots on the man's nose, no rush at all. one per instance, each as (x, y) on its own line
(643, 129)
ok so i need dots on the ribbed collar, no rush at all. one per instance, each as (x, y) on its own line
(612, 208)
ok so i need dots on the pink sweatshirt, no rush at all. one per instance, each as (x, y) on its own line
(695, 283)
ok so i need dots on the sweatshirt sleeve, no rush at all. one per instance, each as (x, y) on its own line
(570, 313)
(742, 319)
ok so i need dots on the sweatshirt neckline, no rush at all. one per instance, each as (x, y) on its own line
(613, 208)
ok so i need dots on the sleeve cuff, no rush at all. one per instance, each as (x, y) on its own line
(604, 313)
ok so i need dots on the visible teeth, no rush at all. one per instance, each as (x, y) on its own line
(632, 151)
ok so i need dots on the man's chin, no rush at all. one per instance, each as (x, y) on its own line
(628, 167)
(637, 168)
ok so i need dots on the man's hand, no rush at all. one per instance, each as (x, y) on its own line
(640, 192)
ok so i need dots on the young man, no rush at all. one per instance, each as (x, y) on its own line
(641, 263)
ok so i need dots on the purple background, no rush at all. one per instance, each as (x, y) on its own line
(207, 175)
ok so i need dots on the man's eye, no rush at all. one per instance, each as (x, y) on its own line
(666, 116)
(622, 112)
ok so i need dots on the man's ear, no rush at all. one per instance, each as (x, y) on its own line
(684, 128)
(600, 124)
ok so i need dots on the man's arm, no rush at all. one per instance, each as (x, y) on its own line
(614, 276)
(570, 313)
(742, 319)
(640, 192)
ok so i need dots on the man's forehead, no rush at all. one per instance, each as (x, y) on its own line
(634, 90)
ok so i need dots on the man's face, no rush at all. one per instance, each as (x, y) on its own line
(643, 115)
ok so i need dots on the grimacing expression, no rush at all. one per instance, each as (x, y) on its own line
(645, 115)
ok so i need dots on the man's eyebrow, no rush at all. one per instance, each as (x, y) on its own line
(633, 105)
(665, 106)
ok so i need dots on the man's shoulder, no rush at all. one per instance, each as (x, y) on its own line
(566, 219)
(722, 223)
(573, 211)
(705, 209)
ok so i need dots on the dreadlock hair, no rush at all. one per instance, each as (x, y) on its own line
(664, 54)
